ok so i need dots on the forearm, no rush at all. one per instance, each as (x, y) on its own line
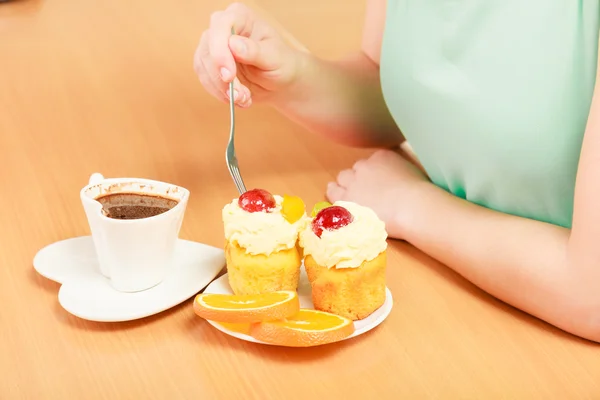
(520, 261)
(341, 100)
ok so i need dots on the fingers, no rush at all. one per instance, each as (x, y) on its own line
(241, 94)
(210, 78)
(251, 52)
(345, 177)
(238, 17)
(203, 73)
(214, 62)
(360, 164)
(335, 192)
(239, 46)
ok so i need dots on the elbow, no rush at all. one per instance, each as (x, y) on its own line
(583, 320)
(574, 304)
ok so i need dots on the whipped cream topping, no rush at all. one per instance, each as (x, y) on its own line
(261, 232)
(349, 246)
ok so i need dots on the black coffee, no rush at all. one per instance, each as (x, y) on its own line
(134, 205)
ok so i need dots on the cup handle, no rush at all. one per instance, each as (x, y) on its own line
(96, 177)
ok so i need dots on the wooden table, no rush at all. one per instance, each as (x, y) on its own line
(108, 86)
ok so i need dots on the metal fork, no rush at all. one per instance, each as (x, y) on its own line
(232, 162)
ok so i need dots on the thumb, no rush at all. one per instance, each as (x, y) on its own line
(251, 52)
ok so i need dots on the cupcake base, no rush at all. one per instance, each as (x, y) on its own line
(354, 293)
(258, 273)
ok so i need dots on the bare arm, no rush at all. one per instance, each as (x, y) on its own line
(550, 272)
(343, 100)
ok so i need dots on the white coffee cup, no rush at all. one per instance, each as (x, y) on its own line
(135, 254)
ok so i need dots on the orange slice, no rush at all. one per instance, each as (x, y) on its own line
(239, 309)
(292, 208)
(238, 328)
(306, 328)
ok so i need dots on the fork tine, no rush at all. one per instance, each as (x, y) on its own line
(242, 188)
(236, 171)
(236, 180)
(233, 171)
(232, 166)
(239, 182)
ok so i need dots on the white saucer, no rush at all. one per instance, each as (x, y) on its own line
(87, 294)
(221, 286)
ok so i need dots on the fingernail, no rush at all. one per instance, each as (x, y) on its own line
(235, 94)
(225, 74)
(238, 46)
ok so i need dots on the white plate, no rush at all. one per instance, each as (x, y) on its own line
(87, 294)
(221, 286)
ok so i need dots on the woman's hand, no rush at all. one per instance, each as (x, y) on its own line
(387, 182)
(265, 63)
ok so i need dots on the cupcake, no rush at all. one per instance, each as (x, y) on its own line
(261, 249)
(345, 259)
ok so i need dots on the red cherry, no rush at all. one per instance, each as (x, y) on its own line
(257, 200)
(331, 218)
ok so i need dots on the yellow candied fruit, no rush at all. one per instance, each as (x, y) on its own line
(292, 208)
(319, 206)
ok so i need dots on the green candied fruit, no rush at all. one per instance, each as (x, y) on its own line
(318, 207)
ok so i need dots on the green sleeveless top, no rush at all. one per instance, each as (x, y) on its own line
(494, 95)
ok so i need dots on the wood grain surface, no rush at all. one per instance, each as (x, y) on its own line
(108, 86)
